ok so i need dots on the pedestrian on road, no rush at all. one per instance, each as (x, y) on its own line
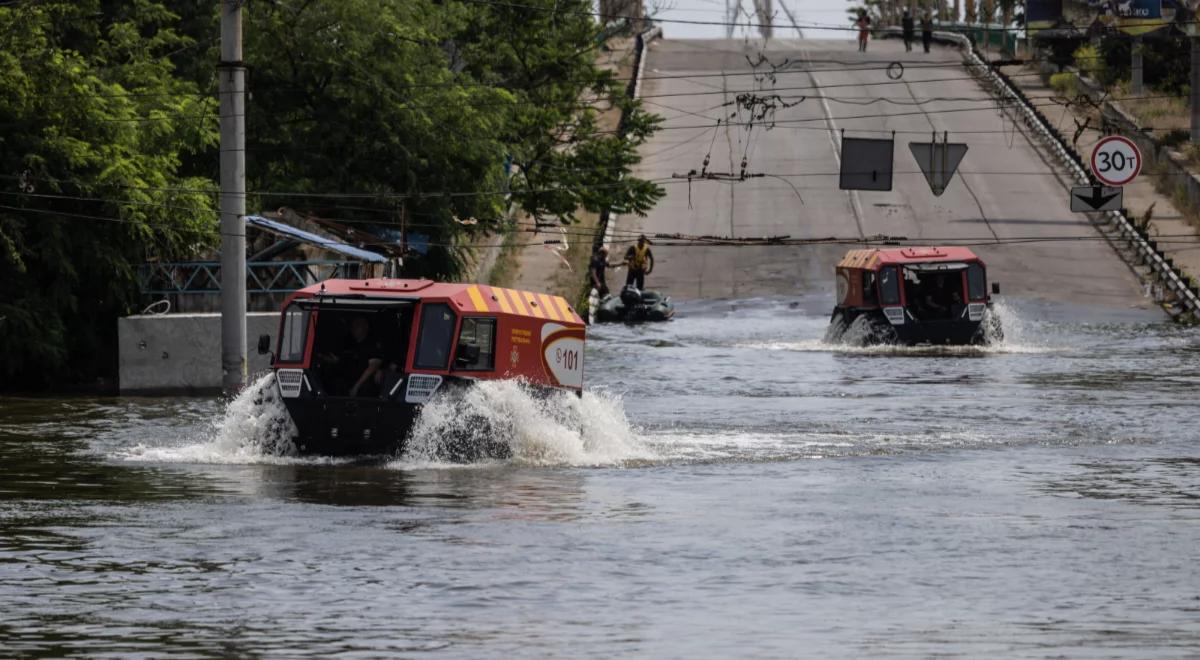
(640, 261)
(906, 23)
(926, 30)
(597, 271)
(864, 26)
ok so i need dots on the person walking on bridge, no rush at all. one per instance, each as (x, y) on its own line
(864, 26)
(926, 30)
(640, 261)
(906, 24)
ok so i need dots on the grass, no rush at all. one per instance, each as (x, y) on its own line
(1154, 108)
(508, 264)
(573, 284)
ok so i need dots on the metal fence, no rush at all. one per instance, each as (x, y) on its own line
(194, 285)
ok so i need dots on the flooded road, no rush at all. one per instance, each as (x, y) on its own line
(731, 487)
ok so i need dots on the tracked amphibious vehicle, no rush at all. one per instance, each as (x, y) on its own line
(356, 359)
(913, 295)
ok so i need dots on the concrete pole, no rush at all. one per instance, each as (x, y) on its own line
(1195, 89)
(232, 90)
(1135, 68)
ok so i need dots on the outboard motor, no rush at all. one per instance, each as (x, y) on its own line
(631, 297)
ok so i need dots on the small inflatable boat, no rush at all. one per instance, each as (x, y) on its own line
(633, 306)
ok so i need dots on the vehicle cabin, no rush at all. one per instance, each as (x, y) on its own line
(925, 294)
(357, 356)
(911, 276)
(490, 332)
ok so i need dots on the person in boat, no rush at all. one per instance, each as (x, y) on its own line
(359, 359)
(597, 271)
(640, 262)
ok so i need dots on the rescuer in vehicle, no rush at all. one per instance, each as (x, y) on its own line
(640, 261)
(359, 359)
(596, 271)
(941, 297)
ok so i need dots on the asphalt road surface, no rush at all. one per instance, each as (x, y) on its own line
(1005, 188)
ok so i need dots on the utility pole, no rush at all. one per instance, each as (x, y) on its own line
(232, 90)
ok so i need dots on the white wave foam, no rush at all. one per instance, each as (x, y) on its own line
(558, 428)
(255, 428)
(1017, 339)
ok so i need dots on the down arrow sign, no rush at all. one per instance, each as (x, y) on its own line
(1095, 198)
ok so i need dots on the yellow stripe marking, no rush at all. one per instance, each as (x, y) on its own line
(500, 300)
(533, 304)
(477, 299)
(548, 306)
(516, 301)
(563, 307)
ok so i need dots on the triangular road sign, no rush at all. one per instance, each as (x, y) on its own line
(938, 161)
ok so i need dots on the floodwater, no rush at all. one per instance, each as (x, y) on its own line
(731, 487)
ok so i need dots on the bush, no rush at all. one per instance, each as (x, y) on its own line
(1065, 84)
(1090, 62)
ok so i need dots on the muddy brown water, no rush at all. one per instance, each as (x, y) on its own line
(731, 487)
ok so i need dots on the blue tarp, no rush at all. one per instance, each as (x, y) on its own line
(309, 237)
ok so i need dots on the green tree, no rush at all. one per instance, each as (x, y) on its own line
(95, 127)
(426, 108)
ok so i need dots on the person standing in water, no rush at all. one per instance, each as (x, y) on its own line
(597, 271)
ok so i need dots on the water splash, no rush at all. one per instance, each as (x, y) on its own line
(556, 428)
(1010, 335)
(255, 428)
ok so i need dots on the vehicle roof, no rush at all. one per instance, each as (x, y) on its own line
(467, 297)
(874, 257)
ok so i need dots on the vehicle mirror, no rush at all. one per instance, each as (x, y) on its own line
(995, 288)
(264, 344)
(467, 354)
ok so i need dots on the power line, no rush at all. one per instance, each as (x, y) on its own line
(814, 26)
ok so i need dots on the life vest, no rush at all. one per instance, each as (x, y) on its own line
(640, 258)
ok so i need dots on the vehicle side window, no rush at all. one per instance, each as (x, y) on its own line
(889, 286)
(868, 287)
(435, 338)
(294, 334)
(976, 284)
(479, 333)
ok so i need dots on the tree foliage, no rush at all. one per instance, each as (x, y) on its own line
(95, 130)
(436, 111)
(440, 111)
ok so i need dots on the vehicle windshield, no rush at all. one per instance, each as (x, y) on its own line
(934, 291)
(355, 349)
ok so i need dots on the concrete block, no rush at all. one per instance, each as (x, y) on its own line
(181, 353)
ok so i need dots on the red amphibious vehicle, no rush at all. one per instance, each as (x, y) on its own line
(356, 359)
(913, 295)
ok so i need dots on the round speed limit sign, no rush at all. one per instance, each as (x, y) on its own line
(1116, 160)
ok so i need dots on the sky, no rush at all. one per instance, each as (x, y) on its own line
(807, 12)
